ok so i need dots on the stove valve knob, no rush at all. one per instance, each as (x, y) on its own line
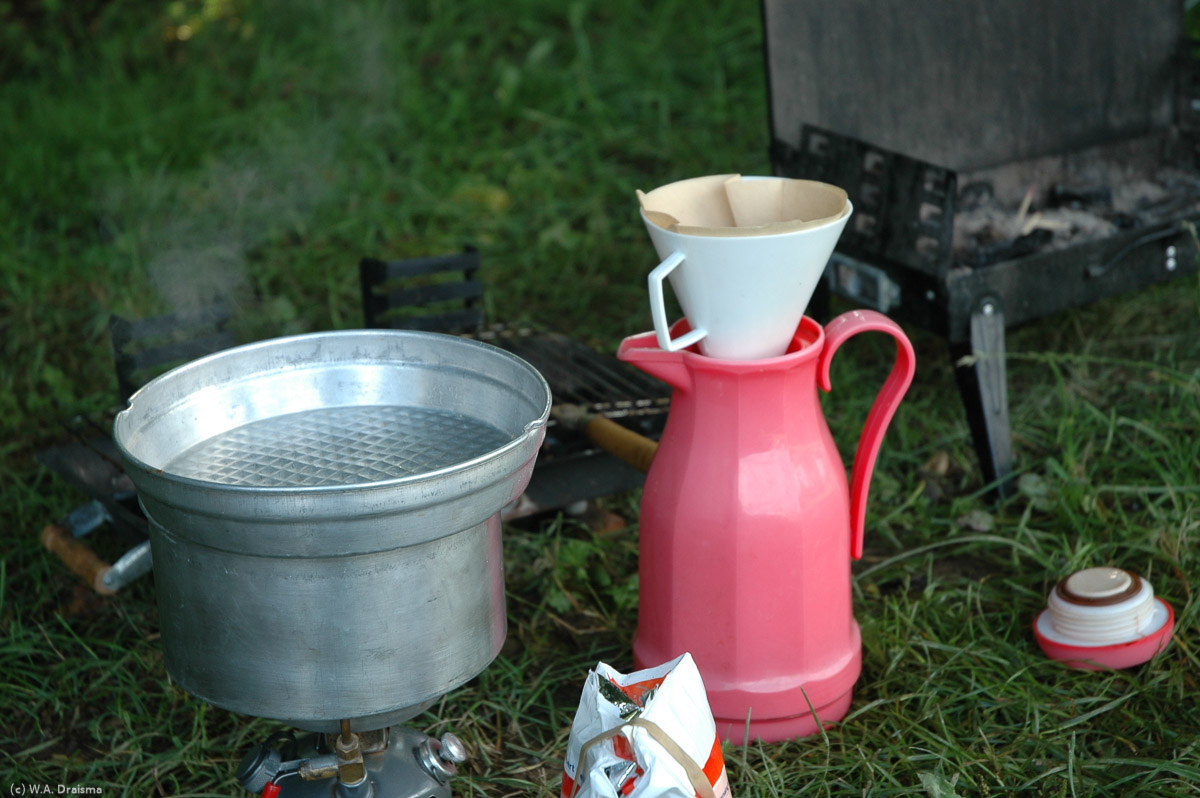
(259, 767)
(441, 757)
(453, 749)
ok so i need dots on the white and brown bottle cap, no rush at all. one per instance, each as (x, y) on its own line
(1101, 606)
(1101, 618)
(1099, 587)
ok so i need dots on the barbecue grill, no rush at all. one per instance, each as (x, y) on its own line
(1006, 161)
(443, 294)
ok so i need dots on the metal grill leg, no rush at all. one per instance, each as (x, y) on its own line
(983, 383)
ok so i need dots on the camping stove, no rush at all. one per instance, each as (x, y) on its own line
(324, 517)
(395, 762)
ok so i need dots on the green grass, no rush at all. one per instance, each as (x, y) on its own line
(259, 159)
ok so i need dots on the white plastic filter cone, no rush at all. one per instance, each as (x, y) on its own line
(743, 256)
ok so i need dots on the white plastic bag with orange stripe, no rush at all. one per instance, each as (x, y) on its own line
(648, 734)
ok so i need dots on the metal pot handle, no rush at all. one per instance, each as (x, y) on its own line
(82, 561)
(884, 407)
(78, 557)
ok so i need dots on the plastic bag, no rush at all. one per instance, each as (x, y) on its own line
(648, 734)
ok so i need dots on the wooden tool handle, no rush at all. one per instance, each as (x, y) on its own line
(625, 444)
(77, 556)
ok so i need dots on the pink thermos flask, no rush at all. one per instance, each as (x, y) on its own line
(748, 527)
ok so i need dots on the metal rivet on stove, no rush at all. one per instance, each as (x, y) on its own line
(930, 295)
(989, 309)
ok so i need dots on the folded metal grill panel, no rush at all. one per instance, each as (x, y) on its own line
(970, 83)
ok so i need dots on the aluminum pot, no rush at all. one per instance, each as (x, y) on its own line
(325, 518)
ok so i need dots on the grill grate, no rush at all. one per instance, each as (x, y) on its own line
(580, 375)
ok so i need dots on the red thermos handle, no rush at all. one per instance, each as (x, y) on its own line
(836, 332)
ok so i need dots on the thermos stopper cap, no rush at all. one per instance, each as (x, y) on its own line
(1098, 583)
(1103, 618)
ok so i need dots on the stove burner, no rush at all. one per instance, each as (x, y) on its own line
(395, 762)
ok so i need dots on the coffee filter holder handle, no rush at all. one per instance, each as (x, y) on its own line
(836, 332)
(658, 307)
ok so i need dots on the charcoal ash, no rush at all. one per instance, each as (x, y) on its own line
(1046, 204)
(991, 231)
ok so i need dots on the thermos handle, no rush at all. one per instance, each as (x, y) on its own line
(884, 407)
(658, 307)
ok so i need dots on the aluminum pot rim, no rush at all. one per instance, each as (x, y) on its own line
(519, 441)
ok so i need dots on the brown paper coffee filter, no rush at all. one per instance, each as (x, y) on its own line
(663, 220)
(699, 201)
(727, 205)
